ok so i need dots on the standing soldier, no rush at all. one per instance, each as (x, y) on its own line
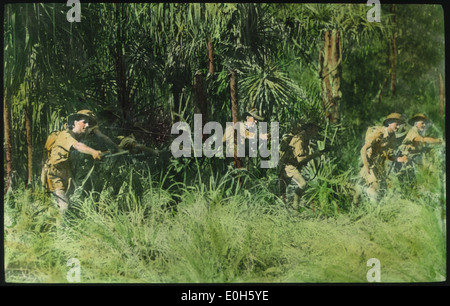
(247, 130)
(415, 143)
(57, 173)
(380, 145)
(294, 154)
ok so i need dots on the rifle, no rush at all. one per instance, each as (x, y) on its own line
(314, 155)
(110, 154)
(397, 154)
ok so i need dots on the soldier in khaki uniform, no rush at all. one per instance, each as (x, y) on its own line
(294, 154)
(415, 143)
(380, 145)
(247, 129)
(56, 173)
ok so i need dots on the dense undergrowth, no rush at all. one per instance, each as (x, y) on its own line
(227, 228)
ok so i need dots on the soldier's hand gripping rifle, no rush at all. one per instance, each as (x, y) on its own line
(314, 155)
(397, 154)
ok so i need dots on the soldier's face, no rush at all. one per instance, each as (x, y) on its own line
(393, 126)
(251, 121)
(421, 125)
(80, 126)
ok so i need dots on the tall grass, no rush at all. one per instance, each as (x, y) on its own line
(217, 231)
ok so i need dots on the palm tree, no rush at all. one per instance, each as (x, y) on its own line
(330, 31)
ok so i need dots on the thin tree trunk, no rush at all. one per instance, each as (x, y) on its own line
(29, 145)
(122, 86)
(8, 153)
(201, 104)
(178, 104)
(442, 98)
(330, 73)
(382, 89)
(211, 56)
(394, 51)
(234, 114)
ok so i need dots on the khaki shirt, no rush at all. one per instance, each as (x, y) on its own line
(297, 150)
(244, 133)
(412, 143)
(381, 144)
(58, 152)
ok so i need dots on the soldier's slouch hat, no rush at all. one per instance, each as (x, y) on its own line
(417, 117)
(393, 117)
(84, 114)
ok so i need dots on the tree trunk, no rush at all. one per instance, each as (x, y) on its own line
(201, 105)
(394, 51)
(29, 145)
(122, 85)
(178, 104)
(330, 73)
(122, 89)
(8, 145)
(210, 57)
(442, 99)
(234, 114)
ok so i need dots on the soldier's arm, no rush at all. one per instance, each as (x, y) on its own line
(226, 134)
(364, 156)
(429, 140)
(81, 147)
(264, 136)
(369, 142)
(105, 139)
(402, 159)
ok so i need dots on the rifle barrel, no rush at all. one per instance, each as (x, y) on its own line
(109, 154)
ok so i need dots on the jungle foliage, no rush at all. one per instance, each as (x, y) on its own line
(143, 66)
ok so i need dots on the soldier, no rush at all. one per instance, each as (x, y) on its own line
(248, 130)
(379, 146)
(94, 129)
(415, 143)
(57, 173)
(294, 154)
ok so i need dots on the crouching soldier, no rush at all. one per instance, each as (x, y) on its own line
(56, 173)
(294, 155)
